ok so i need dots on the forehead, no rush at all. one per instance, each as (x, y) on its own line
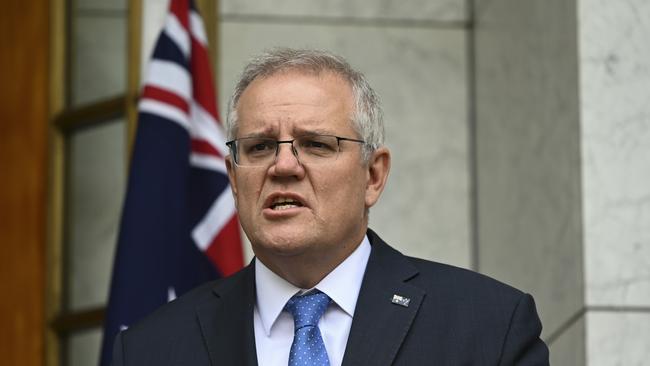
(294, 100)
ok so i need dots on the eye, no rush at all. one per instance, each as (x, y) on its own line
(258, 146)
(318, 145)
(315, 144)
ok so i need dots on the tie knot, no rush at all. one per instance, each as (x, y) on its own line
(307, 309)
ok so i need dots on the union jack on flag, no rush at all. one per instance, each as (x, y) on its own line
(179, 227)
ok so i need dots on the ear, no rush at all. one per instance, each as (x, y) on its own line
(230, 168)
(378, 168)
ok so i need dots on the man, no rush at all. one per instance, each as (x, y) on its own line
(307, 162)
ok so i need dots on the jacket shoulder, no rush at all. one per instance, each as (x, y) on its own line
(459, 279)
(454, 282)
(475, 312)
(173, 330)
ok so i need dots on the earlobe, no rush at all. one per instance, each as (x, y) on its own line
(378, 169)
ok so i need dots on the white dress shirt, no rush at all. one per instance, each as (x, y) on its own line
(274, 327)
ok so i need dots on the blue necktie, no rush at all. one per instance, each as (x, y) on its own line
(308, 348)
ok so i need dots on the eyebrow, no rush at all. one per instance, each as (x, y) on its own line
(298, 132)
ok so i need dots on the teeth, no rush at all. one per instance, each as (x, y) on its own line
(283, 203)
(283, 207)
(282, 200)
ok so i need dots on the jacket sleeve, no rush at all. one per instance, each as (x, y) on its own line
(118, 354)
(522, 345)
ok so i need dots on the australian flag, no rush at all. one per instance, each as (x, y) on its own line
(179, 226)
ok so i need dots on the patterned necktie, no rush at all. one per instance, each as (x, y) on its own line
(308, 348)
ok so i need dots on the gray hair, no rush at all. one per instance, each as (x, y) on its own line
(367, 118)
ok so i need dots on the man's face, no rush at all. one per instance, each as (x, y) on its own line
(327, 215)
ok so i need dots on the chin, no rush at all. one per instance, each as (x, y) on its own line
(283, 242)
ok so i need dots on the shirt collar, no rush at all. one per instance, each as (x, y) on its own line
(342, 285)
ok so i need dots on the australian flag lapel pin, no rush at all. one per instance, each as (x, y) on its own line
(401, 300)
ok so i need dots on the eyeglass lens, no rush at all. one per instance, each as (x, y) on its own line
(253, 151)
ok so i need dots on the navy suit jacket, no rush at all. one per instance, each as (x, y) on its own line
(454, 317)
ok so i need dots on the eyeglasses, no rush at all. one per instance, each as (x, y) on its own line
(309, 149)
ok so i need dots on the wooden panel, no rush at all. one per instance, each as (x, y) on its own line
(23, 167)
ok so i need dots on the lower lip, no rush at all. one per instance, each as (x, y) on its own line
(287, 212)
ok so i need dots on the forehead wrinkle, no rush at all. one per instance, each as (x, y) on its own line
(261, 128)
(300, 131)
(264, 132)
(296, 131)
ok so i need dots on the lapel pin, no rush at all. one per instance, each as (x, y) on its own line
(401, 300)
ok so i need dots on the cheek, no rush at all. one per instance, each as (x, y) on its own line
(342, 192)
(249, 189)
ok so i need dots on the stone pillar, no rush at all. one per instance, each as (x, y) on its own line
(527, 158)
(615, 139)
(562, 165)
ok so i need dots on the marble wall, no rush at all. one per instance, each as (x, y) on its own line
(615, 84)
(528, 158)
(618, 337)
(615, 129)
(563, 161)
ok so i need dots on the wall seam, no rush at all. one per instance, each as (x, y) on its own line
(618, 309)
(343, 21)
(566, 325)
(108, 13)
(472, 157)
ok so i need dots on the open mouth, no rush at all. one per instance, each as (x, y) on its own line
(284, 203)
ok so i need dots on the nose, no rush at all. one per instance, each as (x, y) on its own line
(287, 163)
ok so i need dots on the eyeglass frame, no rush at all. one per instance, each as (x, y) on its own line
(232, 143)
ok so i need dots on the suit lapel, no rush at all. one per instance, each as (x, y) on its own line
(379, 325)
(226, 321)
